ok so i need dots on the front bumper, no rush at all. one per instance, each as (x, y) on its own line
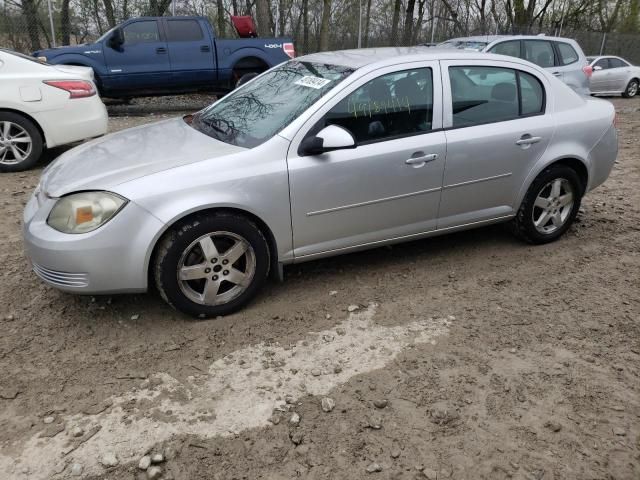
(111, 259)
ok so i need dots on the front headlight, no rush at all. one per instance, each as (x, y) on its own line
(85, 211)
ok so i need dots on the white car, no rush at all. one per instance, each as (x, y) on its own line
(44, 106)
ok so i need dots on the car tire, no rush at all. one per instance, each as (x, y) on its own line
(204, 281)
(631, 90)
(20, 132)
(547, 195)
(245, 78)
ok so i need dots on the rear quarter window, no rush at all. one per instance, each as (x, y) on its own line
(568, 55)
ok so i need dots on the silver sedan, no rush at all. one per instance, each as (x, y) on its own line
(322, 155)
(614, 76)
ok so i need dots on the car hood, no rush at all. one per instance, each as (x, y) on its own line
(120, 157)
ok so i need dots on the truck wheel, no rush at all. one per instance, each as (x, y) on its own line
(21, 143)
(245, 78)
(211, 264)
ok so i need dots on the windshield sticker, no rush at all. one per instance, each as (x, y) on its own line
(312, 82)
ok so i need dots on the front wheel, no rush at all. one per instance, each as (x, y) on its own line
(211, 265)
(631, 90)
(21, 143)
(550, 205)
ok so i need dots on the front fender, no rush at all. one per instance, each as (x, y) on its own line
(97, 64)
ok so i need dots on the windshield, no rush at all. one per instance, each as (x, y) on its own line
(258, 110)
(105, 35)
(25, 57)
(464, 45)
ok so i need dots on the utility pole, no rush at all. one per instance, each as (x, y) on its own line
(53, 32)
(359, 23)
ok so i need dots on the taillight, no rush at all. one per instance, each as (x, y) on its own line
(588, 70)
(76, 88)
(289, 49)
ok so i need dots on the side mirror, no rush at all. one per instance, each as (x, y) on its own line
(329, 138)
(117, 39)
(597, 67)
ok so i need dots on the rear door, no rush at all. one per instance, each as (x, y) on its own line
(618, 74)
(191, 52)
(141, 62)
(496, 129)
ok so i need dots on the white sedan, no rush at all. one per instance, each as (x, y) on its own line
(44, 106)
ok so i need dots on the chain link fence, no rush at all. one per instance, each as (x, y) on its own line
(28, 25)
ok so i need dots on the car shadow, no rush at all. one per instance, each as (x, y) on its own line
(317, 274)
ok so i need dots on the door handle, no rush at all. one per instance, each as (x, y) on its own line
(161, 50)
(557, 74)
(205, 48)
(527, 140)
(419, 159)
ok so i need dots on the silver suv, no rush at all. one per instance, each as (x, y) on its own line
(562, 56)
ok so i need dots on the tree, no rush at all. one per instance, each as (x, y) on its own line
(324, 25)
(395, 22)
(65, 23)
(262, 14)
(408, 22)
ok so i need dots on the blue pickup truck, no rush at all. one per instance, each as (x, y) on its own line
(166, 55)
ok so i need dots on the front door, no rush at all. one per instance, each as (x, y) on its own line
(599, 81)
(142, 62)
(496, 129)
(389, 186)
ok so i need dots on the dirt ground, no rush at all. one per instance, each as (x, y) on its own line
(469, 356)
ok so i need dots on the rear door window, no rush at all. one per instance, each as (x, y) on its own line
(183, 31)
(539, 52)
(567, 53)
(616, 63)
(394, 105)
(510, 48)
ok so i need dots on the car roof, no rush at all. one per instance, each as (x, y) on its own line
(493, 38)
(359, 58)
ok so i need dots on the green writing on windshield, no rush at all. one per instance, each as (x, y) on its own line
(376, 107)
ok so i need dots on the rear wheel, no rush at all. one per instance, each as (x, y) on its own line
(21, 143)
(550, 205)
(632, 89)
(245, 78)
(212, 264)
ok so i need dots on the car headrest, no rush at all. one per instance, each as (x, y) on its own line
(504, 92)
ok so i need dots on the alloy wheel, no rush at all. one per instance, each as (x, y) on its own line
(632, 89)
(15, 143)
(553, 206)
(216, 268)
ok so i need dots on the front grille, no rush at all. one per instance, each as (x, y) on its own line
(62, 279)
